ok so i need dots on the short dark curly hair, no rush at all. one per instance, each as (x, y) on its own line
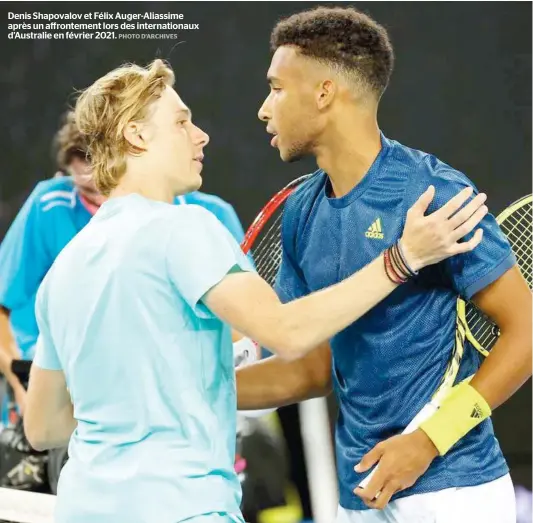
(68, 142)
(343, 38)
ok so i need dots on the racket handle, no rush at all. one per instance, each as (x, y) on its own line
(428, 410)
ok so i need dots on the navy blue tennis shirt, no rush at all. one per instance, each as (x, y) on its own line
(387, 365)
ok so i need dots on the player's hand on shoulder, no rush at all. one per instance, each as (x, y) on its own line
(429, 239)
(401, 461)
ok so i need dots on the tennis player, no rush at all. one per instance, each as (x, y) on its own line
(329, 69)
(54, 213)
(134, 362)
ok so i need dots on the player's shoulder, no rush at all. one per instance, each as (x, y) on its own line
(299, 205)
(301, 200)
(426, 169)
(52, 193)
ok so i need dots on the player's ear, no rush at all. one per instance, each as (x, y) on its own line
(325, 94)
(134, 133)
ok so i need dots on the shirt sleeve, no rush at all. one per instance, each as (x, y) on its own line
(290, 282)
(24, 257)
(471, 272)
(200, 253)
(46, 355)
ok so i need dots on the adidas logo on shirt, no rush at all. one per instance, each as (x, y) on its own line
(476, 412)
(375, 231)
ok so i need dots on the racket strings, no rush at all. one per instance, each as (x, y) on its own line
(266, 246)
(262, 254)
(267, 254)
(517, 228)
(266, 263)
(483, 329)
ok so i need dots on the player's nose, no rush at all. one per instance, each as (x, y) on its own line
(264, 113)
(201, 138)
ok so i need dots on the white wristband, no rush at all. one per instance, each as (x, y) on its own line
(244, 352)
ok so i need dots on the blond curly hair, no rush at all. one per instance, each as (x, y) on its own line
(104, 109)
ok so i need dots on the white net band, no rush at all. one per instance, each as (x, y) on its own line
(26, 507)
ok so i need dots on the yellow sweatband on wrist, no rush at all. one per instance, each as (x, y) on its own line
(462, 410)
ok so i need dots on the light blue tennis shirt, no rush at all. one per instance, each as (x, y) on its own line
(149, 367)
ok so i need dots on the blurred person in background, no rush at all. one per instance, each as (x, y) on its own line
(51, 216)
(56, 210)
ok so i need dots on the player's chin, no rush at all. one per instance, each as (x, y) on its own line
(196, 180)
(192, 182)
(284, 154)
(197, 166)
(290, 155)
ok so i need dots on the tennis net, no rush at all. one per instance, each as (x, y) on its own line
(26, 507)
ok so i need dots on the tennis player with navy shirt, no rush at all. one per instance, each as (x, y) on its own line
(329, 69)
(134, 365)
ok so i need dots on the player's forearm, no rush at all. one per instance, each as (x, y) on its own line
(275, 382)
(305, 323)
(50, 432)
(266, 390)
(5, 368)
(8, 348)
(508, 366)
(471, 402)
(7, 341)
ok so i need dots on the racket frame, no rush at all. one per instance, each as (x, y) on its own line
(267, 211)
(478, 315)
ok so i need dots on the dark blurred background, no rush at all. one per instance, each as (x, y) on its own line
(461, 90)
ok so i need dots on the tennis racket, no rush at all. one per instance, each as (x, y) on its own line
(515, 222)
(472, 324)
(263, 237)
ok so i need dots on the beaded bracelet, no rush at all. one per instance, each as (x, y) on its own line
(397, 262)
(391, 273)
(404, 260)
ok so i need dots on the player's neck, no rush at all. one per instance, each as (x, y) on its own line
(152, 191)
(347, 152)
